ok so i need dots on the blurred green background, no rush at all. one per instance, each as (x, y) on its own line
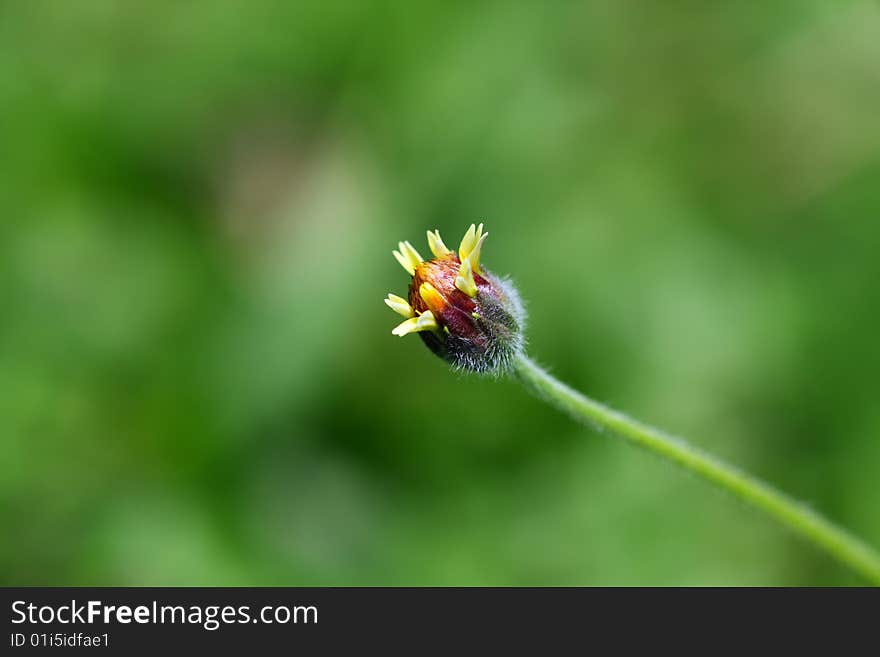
(198, 384)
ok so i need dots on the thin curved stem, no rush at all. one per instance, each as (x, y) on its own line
(808, 524)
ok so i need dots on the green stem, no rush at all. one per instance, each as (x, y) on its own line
(805, 522)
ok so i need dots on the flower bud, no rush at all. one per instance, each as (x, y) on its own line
(464, 314)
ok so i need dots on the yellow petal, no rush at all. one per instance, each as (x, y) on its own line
(408, 257)
(424, 322)
(465, 279)
(409, 251)
(399, 305)
(404, 262)
(432, 297)
(468, 242)
(427, 322)
(406, 327)
(438, 248)
(474, 255)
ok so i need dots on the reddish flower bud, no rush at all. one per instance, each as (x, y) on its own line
(463, 313)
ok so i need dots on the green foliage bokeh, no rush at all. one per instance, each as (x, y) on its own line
(198, 384)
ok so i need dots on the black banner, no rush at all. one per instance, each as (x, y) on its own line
(413, 621)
